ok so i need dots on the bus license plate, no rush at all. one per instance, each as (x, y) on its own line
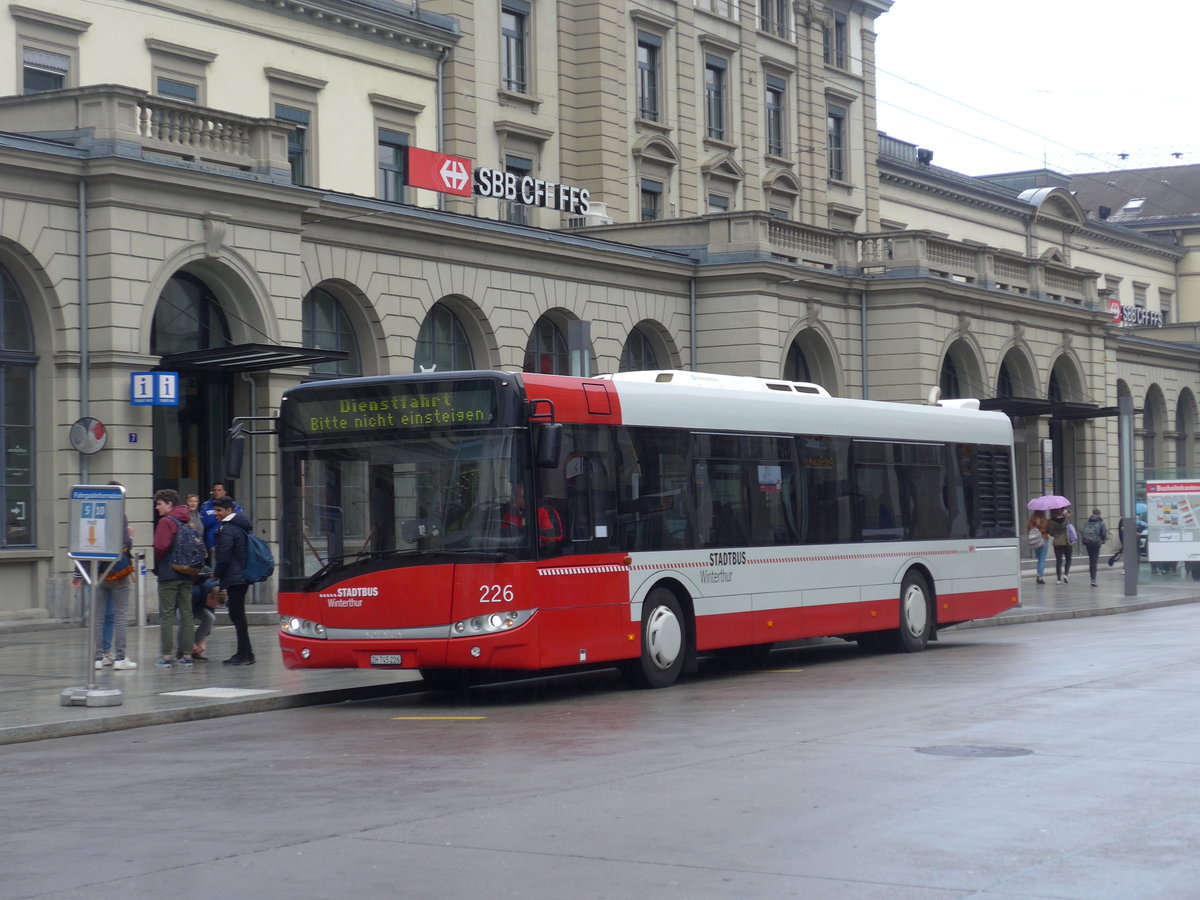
(386, 659)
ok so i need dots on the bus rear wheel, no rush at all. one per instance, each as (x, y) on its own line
(664, 642)
(916, 621)
(916, 614)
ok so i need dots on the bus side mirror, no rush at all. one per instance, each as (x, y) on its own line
(549, 445)
(235, 452)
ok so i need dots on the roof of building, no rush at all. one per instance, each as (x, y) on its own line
(1133, 196)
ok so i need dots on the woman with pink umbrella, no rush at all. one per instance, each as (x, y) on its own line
(1040, 523)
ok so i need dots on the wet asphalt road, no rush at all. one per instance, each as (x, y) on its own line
(1047, 760)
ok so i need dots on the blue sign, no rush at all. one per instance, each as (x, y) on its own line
(97, 521)
(154, 388)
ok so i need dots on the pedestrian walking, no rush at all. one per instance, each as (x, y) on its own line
(230, 571)
(174, 588)
(1039, 522)
(1060, 529)
(1093, 534)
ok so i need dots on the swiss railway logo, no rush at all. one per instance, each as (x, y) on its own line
(454, 174)
(439, 172)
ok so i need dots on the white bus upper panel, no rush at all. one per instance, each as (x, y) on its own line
(698, 405)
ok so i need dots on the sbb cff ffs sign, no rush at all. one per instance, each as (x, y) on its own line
(456, 175)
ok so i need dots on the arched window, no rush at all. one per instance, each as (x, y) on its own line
(638, 355)
(1004, 381)
(546, 352)
(442, 343)
(17, 362)
(949, 382)
(1185, 433)
(188, 317)
(796, 367)
(327, 327)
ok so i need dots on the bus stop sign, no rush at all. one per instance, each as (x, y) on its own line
(97, 521)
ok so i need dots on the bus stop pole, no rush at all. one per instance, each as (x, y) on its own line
(1129, 538)
(90, 694)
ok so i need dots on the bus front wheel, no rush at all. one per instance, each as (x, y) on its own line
(664, 641)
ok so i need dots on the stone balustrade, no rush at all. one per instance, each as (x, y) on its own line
(108, 119)
(915, 254)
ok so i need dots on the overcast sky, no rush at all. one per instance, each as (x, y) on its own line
(1002, 87)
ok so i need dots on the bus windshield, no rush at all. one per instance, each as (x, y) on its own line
(376, 502)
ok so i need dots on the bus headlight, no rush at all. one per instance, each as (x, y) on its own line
(301, 627)
(491, 623)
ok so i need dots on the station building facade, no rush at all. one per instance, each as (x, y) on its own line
(225, 193)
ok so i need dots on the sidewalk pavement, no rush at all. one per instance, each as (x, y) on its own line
(36, 667)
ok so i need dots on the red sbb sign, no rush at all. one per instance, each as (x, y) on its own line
(455, 175)
(439, 172)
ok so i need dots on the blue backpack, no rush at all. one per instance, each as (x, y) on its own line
(259, 561)
(188, 553)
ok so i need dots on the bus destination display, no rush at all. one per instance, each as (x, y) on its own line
(397, 408)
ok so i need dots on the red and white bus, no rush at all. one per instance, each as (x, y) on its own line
(670, 515)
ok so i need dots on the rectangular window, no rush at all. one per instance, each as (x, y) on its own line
(1166, 299)
(1139, 294)
(837, 142)
(649, 49)
(775, 107)
(512, 211)
(715, 73)
(652, 192)
(514, 31)
(44, 71)
(297, 140)
(835, 41)
(392, 157)
(718, 203)
(654, 489)
(176, 90)
(773, 17)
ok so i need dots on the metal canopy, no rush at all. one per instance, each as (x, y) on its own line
(1056, 409)
(248, 358)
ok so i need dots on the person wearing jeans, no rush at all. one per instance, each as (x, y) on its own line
(1039, 521)
(229, 548)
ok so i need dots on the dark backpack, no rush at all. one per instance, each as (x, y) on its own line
(187, 554)
(1090, 533)
(259, 561)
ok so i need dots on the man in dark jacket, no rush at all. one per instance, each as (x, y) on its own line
(174, 589)
(230, 571)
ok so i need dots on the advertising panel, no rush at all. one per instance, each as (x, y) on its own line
(1173, 516)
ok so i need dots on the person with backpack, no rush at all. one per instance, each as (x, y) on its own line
(1039, 523)
(172, 557)
(230, 540)
(1062, 538)
(1093, 534)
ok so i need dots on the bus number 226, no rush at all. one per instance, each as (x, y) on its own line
(495, 593)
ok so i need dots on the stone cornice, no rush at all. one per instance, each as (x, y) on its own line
(27, 14)
(905, 177)
(411, 27)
